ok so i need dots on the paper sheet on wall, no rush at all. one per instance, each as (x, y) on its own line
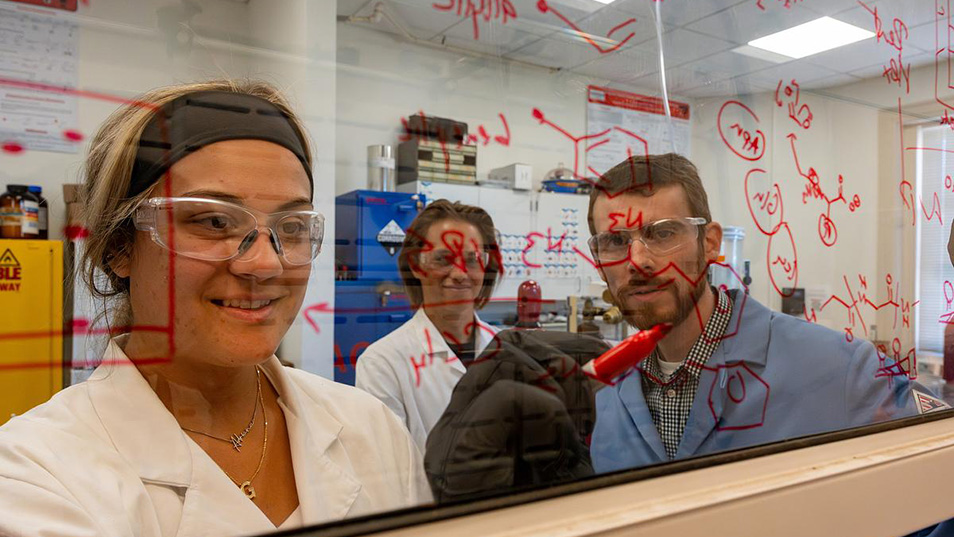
(37, 46)
(631, 124)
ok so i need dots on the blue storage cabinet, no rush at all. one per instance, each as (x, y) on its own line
(369, 298)
(361, 318)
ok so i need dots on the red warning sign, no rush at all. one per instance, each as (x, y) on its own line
(927, 403)
(9, 272)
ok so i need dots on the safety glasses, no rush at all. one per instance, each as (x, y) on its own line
(660, 237)
(214, 230)
(443, 260)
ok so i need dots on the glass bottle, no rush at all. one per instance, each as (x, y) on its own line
(44, 212)
(11, 214)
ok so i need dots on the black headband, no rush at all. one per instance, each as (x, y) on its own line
(198, 119)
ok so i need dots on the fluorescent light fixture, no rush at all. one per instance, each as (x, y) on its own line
(761, 54)
(812, 37)
(605, 1)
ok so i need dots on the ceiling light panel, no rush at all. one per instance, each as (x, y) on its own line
(812, 37)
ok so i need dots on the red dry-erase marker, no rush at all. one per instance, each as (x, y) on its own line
(627, 354)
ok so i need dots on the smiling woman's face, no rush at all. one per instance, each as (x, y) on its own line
(222, 312)
(458, 284)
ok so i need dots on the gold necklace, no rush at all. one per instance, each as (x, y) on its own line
(246, 485)
(237, 439)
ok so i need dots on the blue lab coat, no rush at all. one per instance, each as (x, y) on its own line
(773, 377)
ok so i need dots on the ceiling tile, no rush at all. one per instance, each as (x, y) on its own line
(621, 67)
(831, 81)
(877, 69)
(552, 52)
(745, 22)
(716, 71)
(603, 33)
(606, 31)
(832, 7)
(496, 40)
(574, 10)
(730, 62)
(727, 88)
(676, 13)
(854, 56)
(422, 20)
(681, 79)
(683, 46)
(799, 70)
(920, 37)
(923, 37)
(911, 12)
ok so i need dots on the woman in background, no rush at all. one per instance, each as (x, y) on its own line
(450, 263)
(202, 231)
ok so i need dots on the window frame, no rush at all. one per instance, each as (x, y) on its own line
(772, 463)
(935, 355)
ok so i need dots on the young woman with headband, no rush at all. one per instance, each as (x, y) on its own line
(202, 232)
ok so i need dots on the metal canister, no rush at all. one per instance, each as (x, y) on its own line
(380, 168)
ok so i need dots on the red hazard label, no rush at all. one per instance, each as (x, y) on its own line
(10, 272)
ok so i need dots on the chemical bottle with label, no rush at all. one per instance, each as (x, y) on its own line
(44, 212)
(19, 213)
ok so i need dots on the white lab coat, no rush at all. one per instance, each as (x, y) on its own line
(418, 394)
(106, 458)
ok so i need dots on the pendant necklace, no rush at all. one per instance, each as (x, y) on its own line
(246, 485)
(237, 439)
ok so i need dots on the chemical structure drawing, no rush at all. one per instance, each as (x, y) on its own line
(742, 387)
(764, 201)
(635, 144)
(858, 301)
(544, 7)
(827, 230)
(782, 260)
(737, 125)
(891, 362)
(799, 112)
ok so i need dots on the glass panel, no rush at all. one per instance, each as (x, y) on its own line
(290, 263)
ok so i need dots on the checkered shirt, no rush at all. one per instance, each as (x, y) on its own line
(670, 400)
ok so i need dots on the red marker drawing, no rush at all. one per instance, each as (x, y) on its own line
(627, 354)
(543, 7)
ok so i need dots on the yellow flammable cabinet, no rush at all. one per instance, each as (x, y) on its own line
(31, 324)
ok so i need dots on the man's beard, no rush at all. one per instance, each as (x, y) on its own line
(645, 316)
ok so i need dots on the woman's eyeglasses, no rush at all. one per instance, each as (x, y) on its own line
(215, 230)
(443, 260)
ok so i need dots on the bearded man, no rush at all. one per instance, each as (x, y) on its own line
(730, 373)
